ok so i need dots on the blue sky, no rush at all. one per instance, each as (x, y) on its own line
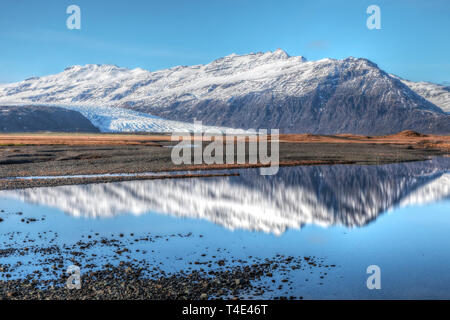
(34, 41)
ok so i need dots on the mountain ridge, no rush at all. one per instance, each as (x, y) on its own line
(257, 90)
(435, 93)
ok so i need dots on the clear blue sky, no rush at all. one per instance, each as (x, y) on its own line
(414, 41)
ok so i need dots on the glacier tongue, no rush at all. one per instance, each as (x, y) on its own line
(115, 119)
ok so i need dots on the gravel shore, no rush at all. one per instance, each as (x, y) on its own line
(65, 160)
(128, 281)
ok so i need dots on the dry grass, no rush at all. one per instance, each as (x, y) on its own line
(411, 138)
(80, 139)
(414, 139)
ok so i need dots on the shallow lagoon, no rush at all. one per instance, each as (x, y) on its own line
(395, 216)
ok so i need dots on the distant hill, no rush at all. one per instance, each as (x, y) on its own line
(41, 118)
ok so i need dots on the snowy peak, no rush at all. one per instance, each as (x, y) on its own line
(239, 64)
(95, 72)
(258, 57)
(92, 67)
(221, 79)
(279, 53)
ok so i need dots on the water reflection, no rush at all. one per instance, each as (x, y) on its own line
(324, 195)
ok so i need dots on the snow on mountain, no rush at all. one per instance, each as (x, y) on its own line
(115, 119)
(258, 90)
(112, 85)
(323, 195)
(436, 93)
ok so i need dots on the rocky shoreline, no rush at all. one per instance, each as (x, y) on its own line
(127, 282)
(130, 281)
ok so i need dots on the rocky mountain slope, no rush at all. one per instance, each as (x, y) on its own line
(436, 93)
(43, 118)
(260, 90)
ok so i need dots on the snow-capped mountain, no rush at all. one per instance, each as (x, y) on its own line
(323, 195)
(436, 93)
(259, 90)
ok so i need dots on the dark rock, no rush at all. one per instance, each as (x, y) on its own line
(43, 118)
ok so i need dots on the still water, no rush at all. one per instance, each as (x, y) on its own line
(394, 216)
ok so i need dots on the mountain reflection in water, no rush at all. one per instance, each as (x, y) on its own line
(348, 195)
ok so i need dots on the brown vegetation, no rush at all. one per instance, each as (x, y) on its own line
(407, 137)
(48, 154)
